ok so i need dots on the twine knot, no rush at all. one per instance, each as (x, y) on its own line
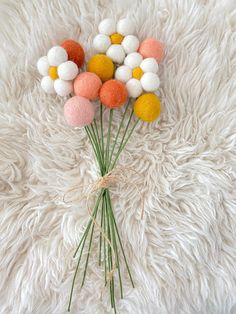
(114, 177)
(105, 181)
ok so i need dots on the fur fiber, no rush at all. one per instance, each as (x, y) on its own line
(183, 254)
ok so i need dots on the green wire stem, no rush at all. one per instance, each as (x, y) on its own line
(124, 141)
(122, 249)
(114, 241)
(100, 236)
(97, 138)
(82, 248)
(94, 145)
(108, 138)
(101, 126)
(118, 133)
(110, 260)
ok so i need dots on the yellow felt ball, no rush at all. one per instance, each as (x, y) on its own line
(116, 38)
(52, 72)
(137, 73)
(102, 66)
(147, 107)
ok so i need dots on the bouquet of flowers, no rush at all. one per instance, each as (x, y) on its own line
(123, 73)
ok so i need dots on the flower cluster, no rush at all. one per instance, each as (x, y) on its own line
(131, 66)
(60, 67)
(140, 75)
(116, 40)
(124, 71)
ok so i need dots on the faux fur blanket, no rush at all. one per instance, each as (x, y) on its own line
(183, 254)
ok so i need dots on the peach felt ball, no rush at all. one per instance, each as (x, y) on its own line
(152, 48)
(74, 50)
(113, 94)
(78, 111)
(87, 84)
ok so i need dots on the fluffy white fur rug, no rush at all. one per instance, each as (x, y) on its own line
(183, 255)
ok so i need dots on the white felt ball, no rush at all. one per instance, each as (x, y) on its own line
(47, 85)
(134, 88)
(133, 60)
(63, 88)
(43, 65)
(123, 73)
(101, 43)
(67, 70)
(150, 82)
(107, 27)
(125, 27)
(149, 65)
(130, 43)
(116, 53)
(57, 55)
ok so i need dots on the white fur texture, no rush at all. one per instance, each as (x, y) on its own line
(183, 254)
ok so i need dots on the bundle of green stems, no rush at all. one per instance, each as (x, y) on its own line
(107, 149)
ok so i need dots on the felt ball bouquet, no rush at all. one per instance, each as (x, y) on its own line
(122, 76)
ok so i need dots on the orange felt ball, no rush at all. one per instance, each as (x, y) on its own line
(113, 94)
(87, 84)
(74, 50)
(152, 48)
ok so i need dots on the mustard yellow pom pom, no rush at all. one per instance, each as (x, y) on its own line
(147, 107)
(52, 72)
(116, 38)
(137, 73)
(102, 66)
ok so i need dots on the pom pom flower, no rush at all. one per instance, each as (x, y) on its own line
(58, 70)
(139, 74)
(116, 40)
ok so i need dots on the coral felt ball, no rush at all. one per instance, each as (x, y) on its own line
(87, 84)
(102, 66)
(78, 111)
(152, 48)
(113, 94)
(74, 50)
(147, 107)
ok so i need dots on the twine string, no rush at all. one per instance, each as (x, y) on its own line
(119, 174)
